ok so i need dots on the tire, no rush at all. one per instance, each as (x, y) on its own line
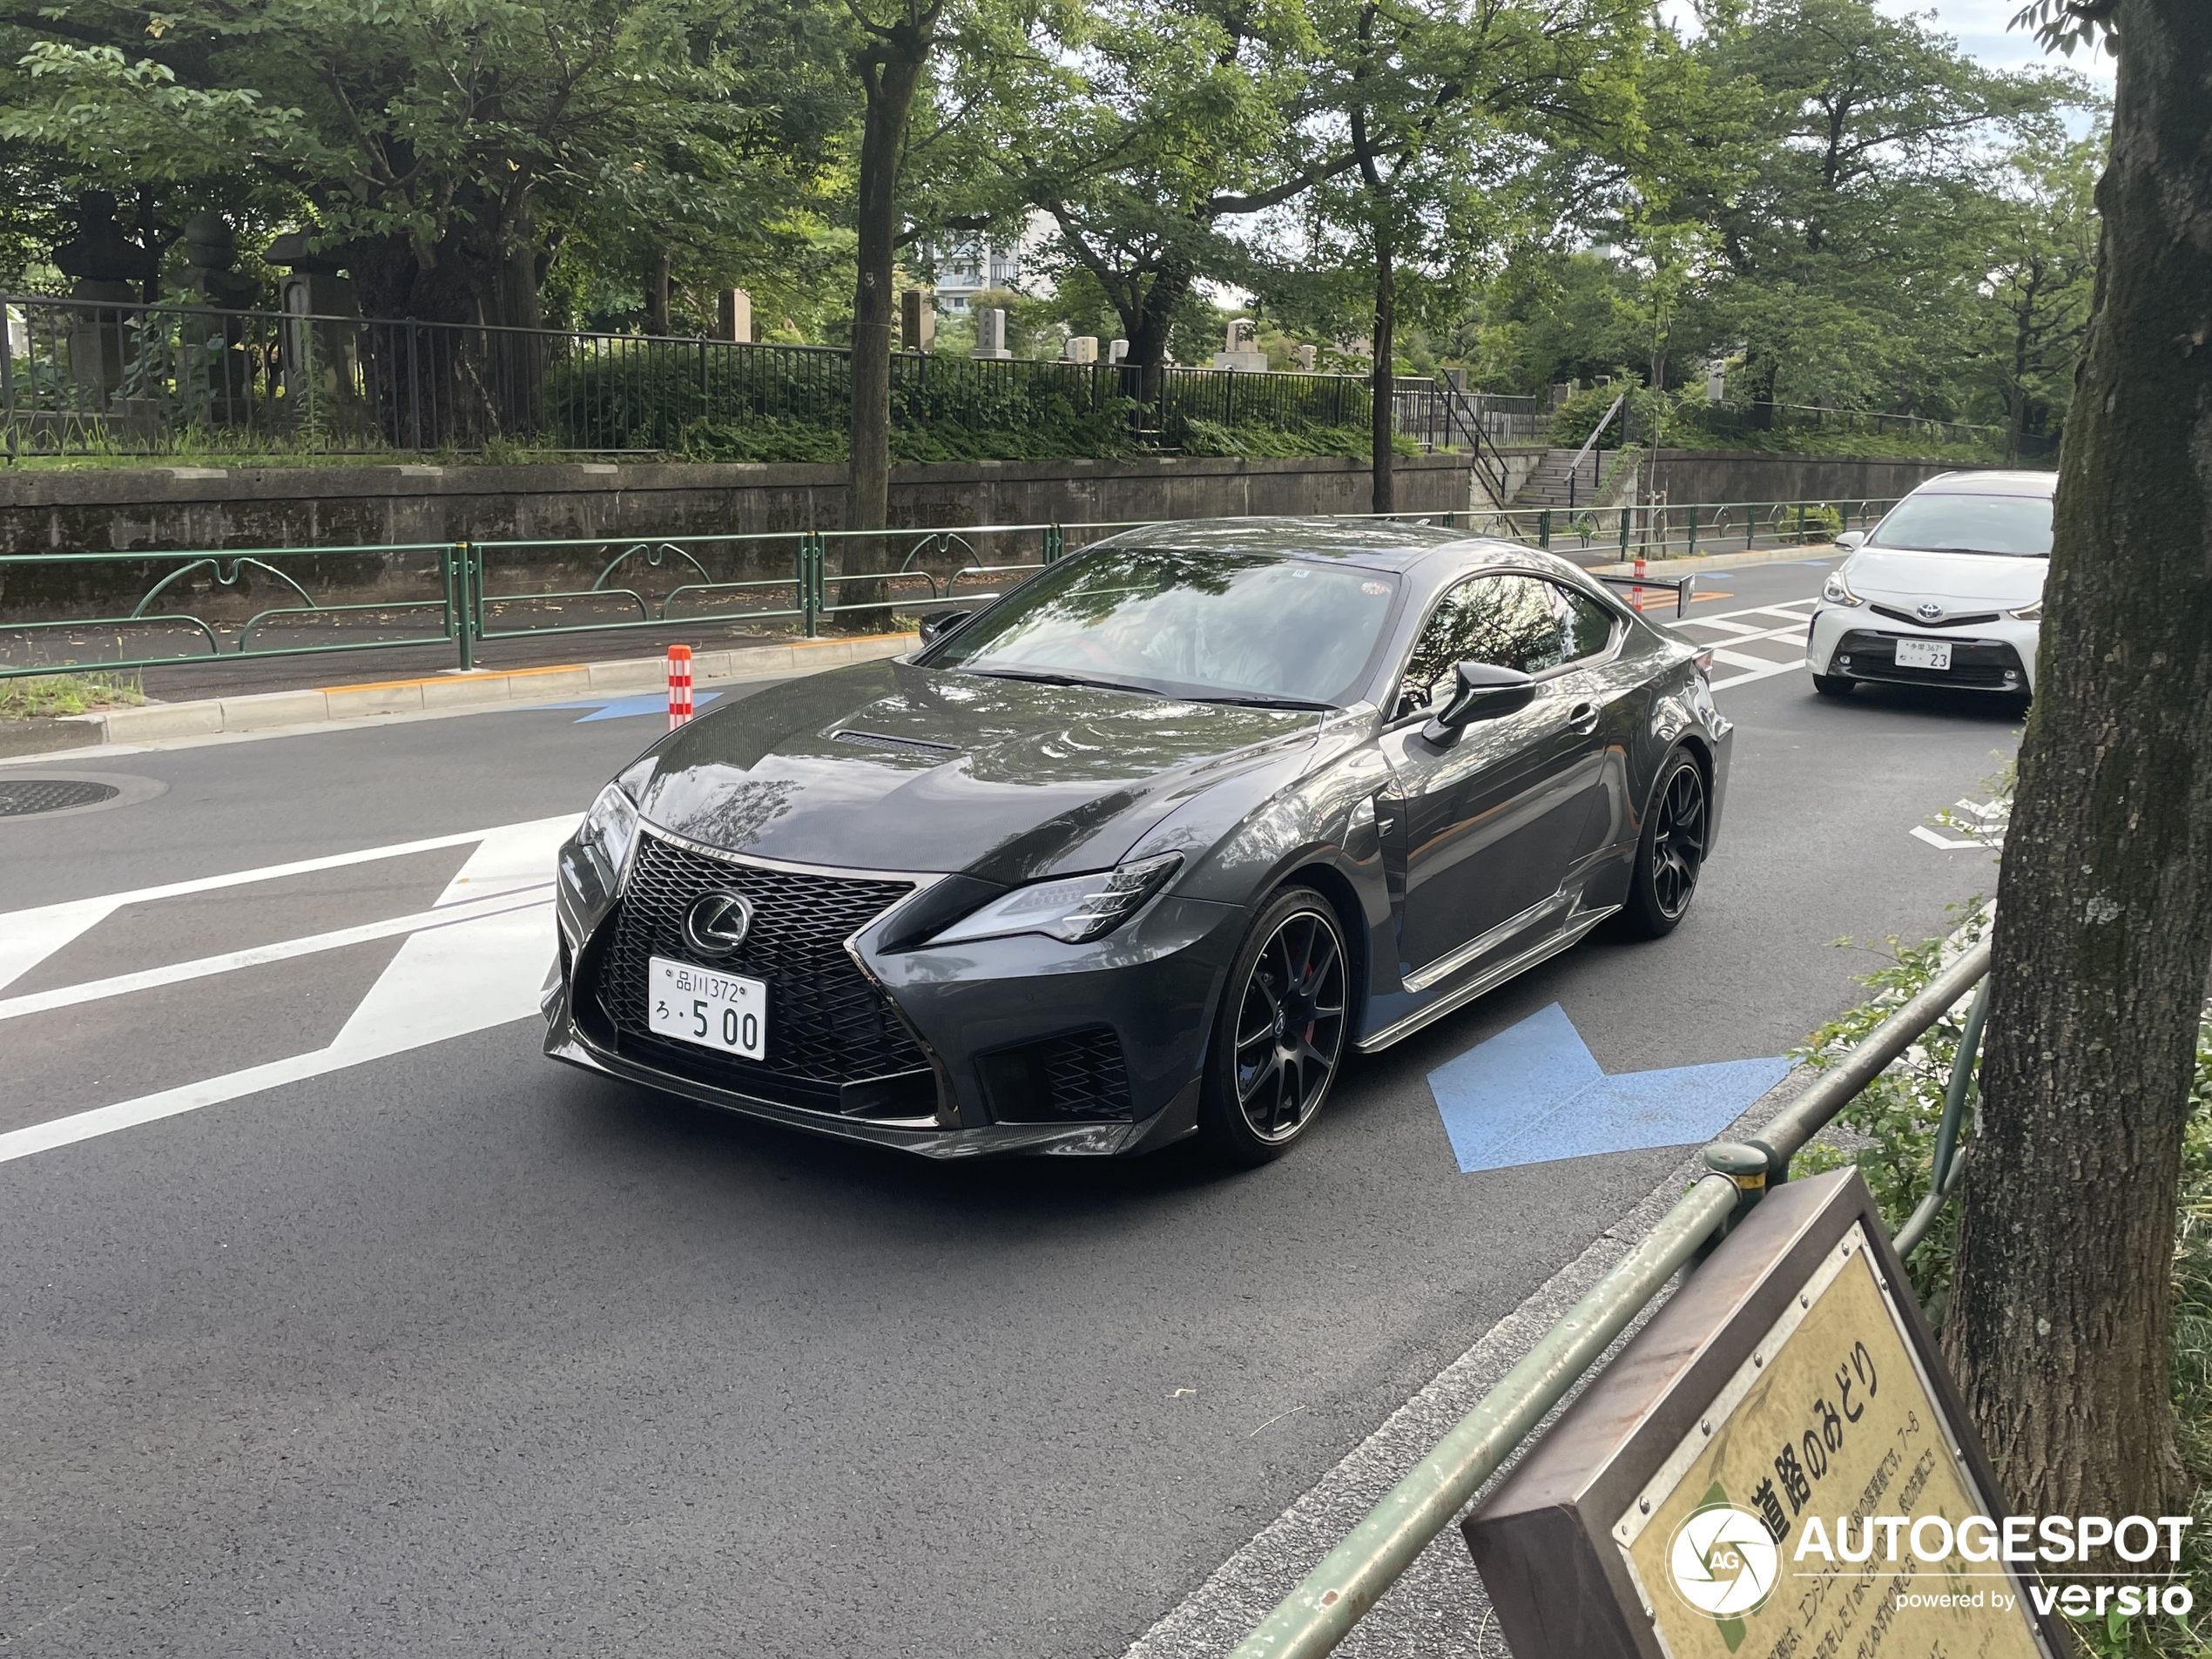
(1834, 684)
(1670, 852)
(1280, 1033)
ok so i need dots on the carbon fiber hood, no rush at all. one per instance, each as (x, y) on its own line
(888, 766)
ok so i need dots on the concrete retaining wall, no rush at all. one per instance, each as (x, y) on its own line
(1752, 474)
(123, 508)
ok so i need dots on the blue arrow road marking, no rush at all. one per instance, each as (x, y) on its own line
(1535, 1093)
(621, 708)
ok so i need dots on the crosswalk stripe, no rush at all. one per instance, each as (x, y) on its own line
(487, 969)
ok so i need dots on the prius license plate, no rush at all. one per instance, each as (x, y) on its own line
(696, 1005)
(1923, 653)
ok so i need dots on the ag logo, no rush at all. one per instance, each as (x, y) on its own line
(1723, 1562)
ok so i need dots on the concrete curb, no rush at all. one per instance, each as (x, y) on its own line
(627, 677)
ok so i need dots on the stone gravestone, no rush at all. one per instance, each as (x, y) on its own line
(1304, 356)
(733, 315)
(1716, 378)
(1081, 348)
(1116, 350)
(321, 336)
(918, 319)
(1237, 352)
(224, 372)
(990, 333)
(109, 268)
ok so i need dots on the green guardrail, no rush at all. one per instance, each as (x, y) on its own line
(1352, 1578)
(208, 605)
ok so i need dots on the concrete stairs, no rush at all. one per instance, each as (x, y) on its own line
(1546, 486)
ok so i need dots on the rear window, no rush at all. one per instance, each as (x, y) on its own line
(2018, 525)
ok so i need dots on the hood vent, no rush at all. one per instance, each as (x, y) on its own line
(901, 745)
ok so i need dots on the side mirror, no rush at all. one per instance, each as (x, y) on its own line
(1852, 541)
(936, 628)
(1484, 693)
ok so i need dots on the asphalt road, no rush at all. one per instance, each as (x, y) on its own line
(349, 1324)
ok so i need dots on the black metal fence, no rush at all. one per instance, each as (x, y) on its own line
(86, 376)
(82, 377)
(1720, 424)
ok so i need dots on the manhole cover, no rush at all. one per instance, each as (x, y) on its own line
(22, 797)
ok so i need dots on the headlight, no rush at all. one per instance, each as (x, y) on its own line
(1836, 591)
(1080, 908)
(608, 828)
(2027, 613)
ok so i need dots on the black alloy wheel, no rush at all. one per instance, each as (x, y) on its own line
(1671, 851)
(1281, 1031)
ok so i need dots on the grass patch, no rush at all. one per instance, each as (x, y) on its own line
(53, 694)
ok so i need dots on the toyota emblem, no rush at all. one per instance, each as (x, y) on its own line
(717, 922)
(1927, 610)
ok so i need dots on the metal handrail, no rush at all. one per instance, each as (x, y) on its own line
(1596, 432)
(1316, 1616)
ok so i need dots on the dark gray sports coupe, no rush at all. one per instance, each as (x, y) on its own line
(1143, 849)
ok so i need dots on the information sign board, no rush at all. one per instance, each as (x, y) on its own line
(1791, 1378)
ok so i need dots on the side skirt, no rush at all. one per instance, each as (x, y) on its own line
(1567, 937)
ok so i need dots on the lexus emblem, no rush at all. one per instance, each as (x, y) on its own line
(717, 922)
(1927, 610)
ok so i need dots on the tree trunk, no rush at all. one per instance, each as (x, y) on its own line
(656, 288)
(890, 80)
(1147, 330)
(2060, 1327)
(1384, 495)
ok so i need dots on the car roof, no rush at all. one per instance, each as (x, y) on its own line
(1989, 483)
(1382, 545)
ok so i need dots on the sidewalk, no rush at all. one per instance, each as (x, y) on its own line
(486, 688)
(1814, 552)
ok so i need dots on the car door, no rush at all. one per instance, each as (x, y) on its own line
(1485, 827)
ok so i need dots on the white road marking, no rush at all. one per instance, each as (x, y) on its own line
(282, 950)
(1923, 832)
(1766, 674)
(484, 969)
(1735, 631)
(28, 937)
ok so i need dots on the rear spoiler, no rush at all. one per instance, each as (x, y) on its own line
(1680, 586)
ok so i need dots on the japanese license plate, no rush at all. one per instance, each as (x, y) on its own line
(1923, 653)
(696, 1005)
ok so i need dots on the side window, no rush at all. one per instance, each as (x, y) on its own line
(1509, 621)
(1586, 626)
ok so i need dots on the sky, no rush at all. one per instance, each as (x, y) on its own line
(1982, 27)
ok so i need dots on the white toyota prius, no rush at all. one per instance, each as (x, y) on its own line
(1947, 589)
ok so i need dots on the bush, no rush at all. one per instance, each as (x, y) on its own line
(1261, 442)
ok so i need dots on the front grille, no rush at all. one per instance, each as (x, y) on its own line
(1973, 619)
(1976, 665)
(827, 1025)
(1073, 1078)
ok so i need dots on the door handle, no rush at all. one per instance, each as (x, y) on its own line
(1582, 718)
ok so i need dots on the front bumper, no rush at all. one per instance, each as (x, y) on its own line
(998, 1024)
(1849, 642)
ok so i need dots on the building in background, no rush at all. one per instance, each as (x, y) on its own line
(966, 269)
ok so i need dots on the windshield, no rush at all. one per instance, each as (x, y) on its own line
(2020, 525)
(1221, 625)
